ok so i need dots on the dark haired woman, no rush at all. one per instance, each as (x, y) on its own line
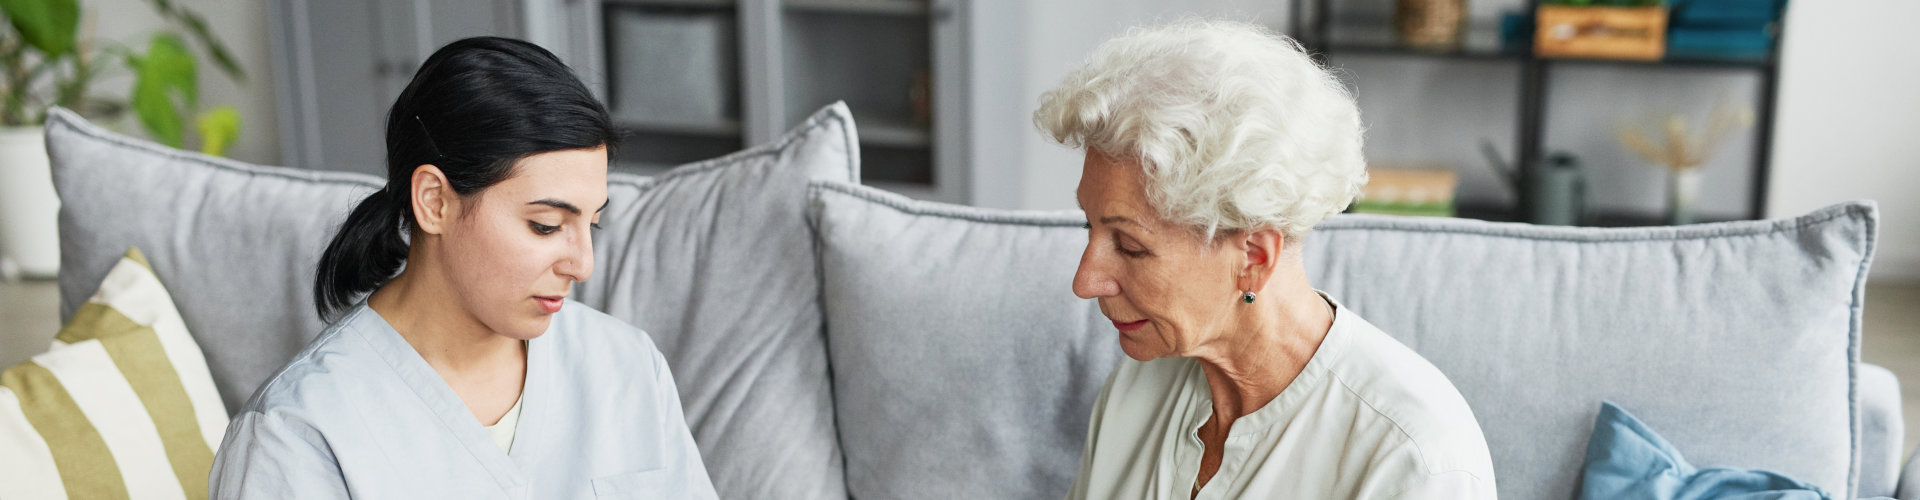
(468, 374)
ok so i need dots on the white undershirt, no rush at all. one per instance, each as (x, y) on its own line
(502, 431)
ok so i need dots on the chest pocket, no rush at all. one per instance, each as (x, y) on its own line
(656, 483)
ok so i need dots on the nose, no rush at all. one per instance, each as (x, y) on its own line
(1092, 279)
(577, 265)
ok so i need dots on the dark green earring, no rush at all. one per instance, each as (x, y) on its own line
(1247, 297)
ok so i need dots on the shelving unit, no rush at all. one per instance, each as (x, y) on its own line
(735, 73)
(1312, 25)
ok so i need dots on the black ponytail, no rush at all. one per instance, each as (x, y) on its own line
(475, 108)
(366, 253)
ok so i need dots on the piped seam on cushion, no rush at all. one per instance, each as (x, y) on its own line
(820, 119)
(1862, 211)
(62, 118)
(916, 207)
(1853, 349)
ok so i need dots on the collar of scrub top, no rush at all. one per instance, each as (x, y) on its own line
(433, 391)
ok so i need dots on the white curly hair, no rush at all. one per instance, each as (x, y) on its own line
(1235, 127)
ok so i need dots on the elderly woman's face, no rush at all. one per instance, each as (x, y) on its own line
(1167, 290)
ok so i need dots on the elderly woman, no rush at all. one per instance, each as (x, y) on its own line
(1211, 150)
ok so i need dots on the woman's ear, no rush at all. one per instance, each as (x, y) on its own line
(434, 201)
(1263, 252)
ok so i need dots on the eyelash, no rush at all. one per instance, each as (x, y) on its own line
(543, 229)
(1116, 245)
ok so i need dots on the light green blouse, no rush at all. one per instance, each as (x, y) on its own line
(1366, 418)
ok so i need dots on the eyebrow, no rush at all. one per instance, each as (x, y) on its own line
(1115, 219)
(568, 206)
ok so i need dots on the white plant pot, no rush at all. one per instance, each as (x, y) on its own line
(1683, 196)
(29, 209)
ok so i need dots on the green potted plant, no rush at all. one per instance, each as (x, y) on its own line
(45, 62)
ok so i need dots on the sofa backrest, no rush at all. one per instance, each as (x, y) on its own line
(967, 366)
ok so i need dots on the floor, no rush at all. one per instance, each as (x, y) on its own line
(29, 317)
(29, 313)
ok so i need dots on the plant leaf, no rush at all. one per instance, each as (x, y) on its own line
(221, 57)
(166, 82)
(219, 128)
(197, 26)
(48, 25)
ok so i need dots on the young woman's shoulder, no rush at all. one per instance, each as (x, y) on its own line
(335, 364)
(584, 333)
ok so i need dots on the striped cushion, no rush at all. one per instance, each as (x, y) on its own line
(122, 405)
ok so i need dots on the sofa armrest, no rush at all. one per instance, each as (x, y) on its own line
(1882, 433)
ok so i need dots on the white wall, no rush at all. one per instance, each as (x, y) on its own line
(1023, 48)
(1846, 113)
(242, 24)
(1849, 120)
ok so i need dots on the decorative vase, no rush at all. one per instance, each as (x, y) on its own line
(1683, 194)
(29, 209)
(1559, 191)
(1430, 24)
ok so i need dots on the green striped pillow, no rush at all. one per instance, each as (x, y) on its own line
(122, 406)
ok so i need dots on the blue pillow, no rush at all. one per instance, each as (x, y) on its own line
(1626, 460)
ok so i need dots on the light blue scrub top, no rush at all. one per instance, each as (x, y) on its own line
(360, 414)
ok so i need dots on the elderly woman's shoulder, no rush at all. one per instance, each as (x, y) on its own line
(1417, 397)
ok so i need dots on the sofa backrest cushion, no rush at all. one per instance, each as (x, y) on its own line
(715, 260)
(235, 243)
(963, 365)
(1738, 341)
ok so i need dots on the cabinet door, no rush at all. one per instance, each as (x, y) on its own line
(341, 63)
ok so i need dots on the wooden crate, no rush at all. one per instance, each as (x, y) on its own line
(1637, 33)
(1423, 190)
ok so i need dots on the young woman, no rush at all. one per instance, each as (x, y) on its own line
(466, 372)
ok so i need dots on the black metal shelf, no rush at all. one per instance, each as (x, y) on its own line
(674, 4)
(1384, 50)
(1311, 26)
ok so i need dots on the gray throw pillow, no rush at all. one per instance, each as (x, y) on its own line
(716, 262)
(235, 243)
(963, 365)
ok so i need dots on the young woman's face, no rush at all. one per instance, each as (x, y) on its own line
(518, 246)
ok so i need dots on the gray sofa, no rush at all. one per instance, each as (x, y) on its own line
(835, 341)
